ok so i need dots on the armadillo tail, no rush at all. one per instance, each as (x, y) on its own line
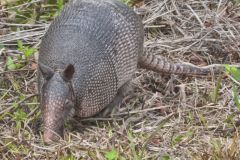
(155, 63)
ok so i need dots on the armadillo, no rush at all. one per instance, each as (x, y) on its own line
(88, 56)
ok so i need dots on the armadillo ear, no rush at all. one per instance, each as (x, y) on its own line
(68, 72)
(46, 71)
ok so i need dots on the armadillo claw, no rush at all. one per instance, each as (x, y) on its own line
(50, 136)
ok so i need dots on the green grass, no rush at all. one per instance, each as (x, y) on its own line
(234, 74)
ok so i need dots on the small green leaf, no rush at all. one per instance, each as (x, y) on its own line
(112, 155)
(10, 64)
(179, 138)
(18, 65)
(235, 97)
(128, 2)
(22, 97)
(236, 74)
(166, 157)
(20, 45)
(233, 71)
(19, 116)
(60, 5)
(29, 51)
(227, 67)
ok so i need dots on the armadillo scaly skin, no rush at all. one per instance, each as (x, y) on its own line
(102, 40)
(90, 51)
(157, 64)
(101, 43)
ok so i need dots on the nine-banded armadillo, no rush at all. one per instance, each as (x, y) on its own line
(87, 56)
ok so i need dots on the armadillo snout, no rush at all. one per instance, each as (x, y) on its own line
(53, 121)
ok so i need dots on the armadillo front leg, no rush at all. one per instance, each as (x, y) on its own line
(116, 102)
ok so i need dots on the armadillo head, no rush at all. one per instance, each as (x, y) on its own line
(56, 100)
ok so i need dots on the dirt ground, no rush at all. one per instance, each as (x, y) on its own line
(167, 116)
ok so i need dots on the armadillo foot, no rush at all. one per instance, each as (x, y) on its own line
(116, 102)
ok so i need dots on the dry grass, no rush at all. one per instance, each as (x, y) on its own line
(167, 116)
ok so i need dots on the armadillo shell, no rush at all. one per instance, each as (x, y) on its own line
(103, 40)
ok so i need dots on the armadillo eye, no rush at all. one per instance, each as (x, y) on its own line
(67, 102)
